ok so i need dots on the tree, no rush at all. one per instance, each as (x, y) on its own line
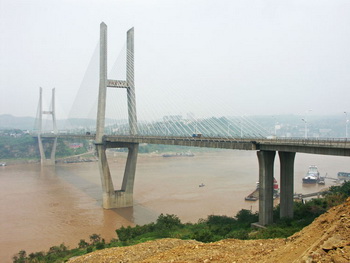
(94, 238)
(167, 221)
(83, 243)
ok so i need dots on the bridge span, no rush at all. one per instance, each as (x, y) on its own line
(323, 146)
(338, 147)
(266, 151)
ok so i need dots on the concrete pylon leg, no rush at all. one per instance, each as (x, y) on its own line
(130, 169)
(41, 150)
(106, 179)
(266, 164)
(287, 183)
(43, 160)
(53, 151)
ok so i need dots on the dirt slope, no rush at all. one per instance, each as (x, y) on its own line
(327, 239)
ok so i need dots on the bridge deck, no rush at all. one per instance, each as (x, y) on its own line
(339, 147)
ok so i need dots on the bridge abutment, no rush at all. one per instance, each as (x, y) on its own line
(287, 183)
(266, 165)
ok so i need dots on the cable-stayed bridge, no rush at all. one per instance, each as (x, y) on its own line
(239, 133)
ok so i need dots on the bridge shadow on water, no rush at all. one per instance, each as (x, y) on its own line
(79, 176)
(137, 214)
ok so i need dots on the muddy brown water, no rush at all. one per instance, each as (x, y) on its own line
(45, 206)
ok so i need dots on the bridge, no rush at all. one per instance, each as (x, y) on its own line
(266, 148)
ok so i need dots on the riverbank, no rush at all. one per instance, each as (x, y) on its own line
(19, 161)
(326, 239)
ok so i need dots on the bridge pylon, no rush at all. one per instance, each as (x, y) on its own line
(47, 161)
(124, 197)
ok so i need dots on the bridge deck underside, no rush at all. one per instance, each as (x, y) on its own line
(191, 142)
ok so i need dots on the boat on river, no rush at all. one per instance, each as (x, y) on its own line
(254, 196)
(343, 176)
(312, 175)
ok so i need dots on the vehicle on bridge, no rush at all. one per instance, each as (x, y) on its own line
(196, 135)
(312, 175)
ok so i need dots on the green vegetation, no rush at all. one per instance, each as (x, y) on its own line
(162, 148)
(61, 253)
(212, 229)
(15, 144)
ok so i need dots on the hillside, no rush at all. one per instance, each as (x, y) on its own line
(327, 239)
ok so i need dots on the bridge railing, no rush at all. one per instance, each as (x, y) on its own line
(327, 142)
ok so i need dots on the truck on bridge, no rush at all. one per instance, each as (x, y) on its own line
(196, 135)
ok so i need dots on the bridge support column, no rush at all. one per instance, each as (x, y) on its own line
(43, 160)
(266, 164)
(117, 198)
(287, 183)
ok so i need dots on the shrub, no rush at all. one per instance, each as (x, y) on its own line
(124, 233)
(20, 257)
(204, 235)
(100, 245)
(343, 189)
(167, 222)
(95, 238)
(246, 216)
(83, 243)
(274, 232)
(220, 220)
(239, 234)
(335, 199)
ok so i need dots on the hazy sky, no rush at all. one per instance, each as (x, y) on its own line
(256, 57)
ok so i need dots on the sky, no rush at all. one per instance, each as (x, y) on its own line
(228, 57)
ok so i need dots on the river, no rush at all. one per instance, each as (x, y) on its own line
(45, 206)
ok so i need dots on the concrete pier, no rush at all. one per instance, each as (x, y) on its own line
(266, 164)
(117, 198)
(287, 183)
